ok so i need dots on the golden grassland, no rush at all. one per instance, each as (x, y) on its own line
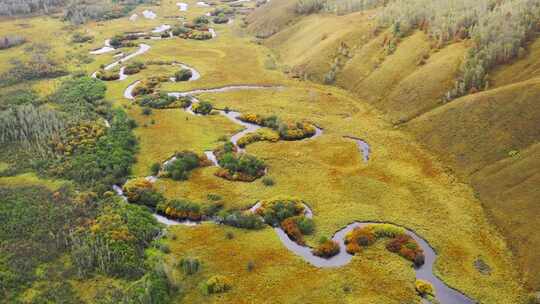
(509, 191)
(402, 183)
(472, 134)
(173, 131)
(280, 277)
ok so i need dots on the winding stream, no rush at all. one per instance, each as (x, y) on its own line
(444, 294)
(362, 146)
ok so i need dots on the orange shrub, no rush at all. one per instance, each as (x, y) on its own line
(327, 249)
(290, 227)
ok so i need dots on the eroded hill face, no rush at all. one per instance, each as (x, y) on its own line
(489, 139)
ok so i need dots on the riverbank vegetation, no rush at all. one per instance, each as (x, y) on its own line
(400, 242)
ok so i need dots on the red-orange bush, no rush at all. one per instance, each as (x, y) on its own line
(327, 249)
(290, 227)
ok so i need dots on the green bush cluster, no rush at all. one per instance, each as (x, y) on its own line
(240, 219)
(134, 68)
(183, 75)
(242, 167)
(220, 19)
(277, 210)
(190, 266)
(107, 75)
(115, 243)
(202, 107)
(163, 101)
(179, 168)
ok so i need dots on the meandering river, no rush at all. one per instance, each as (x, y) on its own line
(444, 294)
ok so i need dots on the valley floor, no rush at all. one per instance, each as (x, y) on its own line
(401, 183)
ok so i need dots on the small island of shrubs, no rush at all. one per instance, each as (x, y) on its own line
(281, 129)
(183, 75)
(183, 163)
(238, 166)
(149, 85)
(400, 242)
(202, 108)
(326, 249)
(163, 101)
(289, 214)
(197, 29)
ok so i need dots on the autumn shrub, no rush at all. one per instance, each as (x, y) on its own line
(424, 288)
(180, 209)
(202, 107)
(276, 210)
(190, 266)
(326, 249)
(110, 159)
(183, 75)
(199, 35)
(290, 227)
(359, 237)
(259, 135)
(140, 191)
(286, 130)
(216, 284)
(296, 131)
(407, 247)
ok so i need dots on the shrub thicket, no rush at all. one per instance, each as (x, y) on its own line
(181, 210)
(276, 210)
(216, 284)
(202, 107)
(326, 249)
(184, 162)
(400, 242)
(240, 220)
(242, 167)
(183, 75)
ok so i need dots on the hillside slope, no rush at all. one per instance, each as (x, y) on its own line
(509, 192)
(474, 135)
